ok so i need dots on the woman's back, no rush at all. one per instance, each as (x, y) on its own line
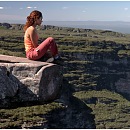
(27, 38)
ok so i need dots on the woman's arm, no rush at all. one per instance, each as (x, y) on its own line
(33, 37)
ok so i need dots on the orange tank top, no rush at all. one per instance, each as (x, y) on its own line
(28, 43)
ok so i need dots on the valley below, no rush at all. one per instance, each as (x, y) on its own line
(96, 80)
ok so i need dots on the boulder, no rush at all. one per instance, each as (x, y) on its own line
(29, 80)
(8, 86)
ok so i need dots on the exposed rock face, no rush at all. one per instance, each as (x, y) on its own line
(8, 85)
(6, 25)
(123, 85)
(30, 80)
(113, 71)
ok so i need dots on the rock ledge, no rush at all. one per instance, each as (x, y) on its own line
(29, 80)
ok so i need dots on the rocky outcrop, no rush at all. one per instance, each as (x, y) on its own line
(8, 85)
(46, 27)
(123, 84)
(112, 71)
(29, 80)
(6, 25)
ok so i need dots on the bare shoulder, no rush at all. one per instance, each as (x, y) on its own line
(31, 30)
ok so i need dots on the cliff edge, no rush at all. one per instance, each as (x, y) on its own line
(25, 80)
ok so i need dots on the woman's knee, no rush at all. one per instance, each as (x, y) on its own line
(51, 39)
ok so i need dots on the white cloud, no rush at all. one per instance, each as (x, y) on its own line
(125, 9)
(1, 7)
(64, 7)
(29, 7)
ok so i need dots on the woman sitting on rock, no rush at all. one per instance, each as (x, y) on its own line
(33, 50)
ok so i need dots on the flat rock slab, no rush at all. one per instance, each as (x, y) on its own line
(14, 59)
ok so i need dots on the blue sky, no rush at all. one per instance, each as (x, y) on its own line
(13, 11)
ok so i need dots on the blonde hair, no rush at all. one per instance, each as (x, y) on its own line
(32, 18)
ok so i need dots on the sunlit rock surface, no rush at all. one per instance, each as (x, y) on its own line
(29, 80)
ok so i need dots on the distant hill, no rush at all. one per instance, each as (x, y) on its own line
(117, 26)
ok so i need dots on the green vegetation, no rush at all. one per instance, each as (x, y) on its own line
(31, 116)
(111, 110)
(124, 53)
